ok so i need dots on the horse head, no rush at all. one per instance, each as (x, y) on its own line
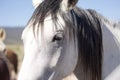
(49, 42)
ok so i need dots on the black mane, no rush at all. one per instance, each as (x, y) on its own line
(86, 25)
(90, 46)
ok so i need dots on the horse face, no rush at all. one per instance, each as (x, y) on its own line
(50, 49)
(50, 56)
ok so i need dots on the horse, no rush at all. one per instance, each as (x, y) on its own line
(13, 62)
(61, 40)
(13, 58)
(8, 53)
(4, 68)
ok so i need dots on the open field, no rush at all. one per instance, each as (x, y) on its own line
(13, 35)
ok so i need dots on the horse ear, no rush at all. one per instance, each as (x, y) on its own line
(68, 4)
(2, 34)
(36, 3)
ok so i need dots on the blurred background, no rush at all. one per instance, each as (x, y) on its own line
(14, 15)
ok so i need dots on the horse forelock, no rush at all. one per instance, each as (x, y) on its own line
(46, 8)
(49, 8)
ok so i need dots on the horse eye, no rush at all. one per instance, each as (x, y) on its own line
(57, 37)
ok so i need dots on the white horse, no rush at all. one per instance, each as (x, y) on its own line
(61, 39)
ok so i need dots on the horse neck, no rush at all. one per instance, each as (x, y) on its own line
(114, 31)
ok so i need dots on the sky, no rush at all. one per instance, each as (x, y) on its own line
(16, 13)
